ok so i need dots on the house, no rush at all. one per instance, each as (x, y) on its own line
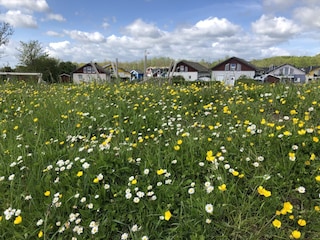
(157, 71)
(271, 79)
(312, 73)
(232, 69)
(90, 72)
(190, 71)
(288, 74)
(117, 72)
(64, 78)
(136, 75)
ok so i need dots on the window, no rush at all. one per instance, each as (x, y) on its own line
(291, 71)
(80, 77)
(181, 68)
(233, 66)
(238, 67)
(285, 71)
(227, 67)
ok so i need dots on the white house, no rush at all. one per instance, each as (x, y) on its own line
(191, 71)
(90, 72)
(232, 69)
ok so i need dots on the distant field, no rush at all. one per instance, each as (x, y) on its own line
(143, 161)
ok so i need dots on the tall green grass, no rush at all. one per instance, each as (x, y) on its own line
(144, 161)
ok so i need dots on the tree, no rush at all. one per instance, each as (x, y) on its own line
(29, 52)
(67, 67)
(6, 32)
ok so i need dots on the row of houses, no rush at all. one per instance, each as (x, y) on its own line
(227, 71)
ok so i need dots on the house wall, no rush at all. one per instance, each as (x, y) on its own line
(86, 78)
(224, 76)
(65, 78)
(288, 73)
(313, 75)
(188, 76)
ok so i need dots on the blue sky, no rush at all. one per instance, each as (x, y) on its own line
(82, 31)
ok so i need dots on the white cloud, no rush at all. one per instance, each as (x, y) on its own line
(211, 38)
(54, 34)
(309, 16)
(278, 5)
(31, 5)
(274, 51)
(105, 24)
(141, 29)
(59, 45)
(56, 17)
(94, 37)
(275, 27)
(18, 19)
(212, 27)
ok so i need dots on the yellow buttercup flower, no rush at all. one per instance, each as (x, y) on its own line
(287, 208)
(17, 220)
(276, 223)
(96, 180)
(210, 156)
(262, 191)
(296, 234)
(222, 187)
(302, 222)
(40, 234)
(167, 215)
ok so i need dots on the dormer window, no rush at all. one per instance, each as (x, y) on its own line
(233, 66)
(88, 69)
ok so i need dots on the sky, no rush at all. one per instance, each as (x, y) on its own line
(105, 30)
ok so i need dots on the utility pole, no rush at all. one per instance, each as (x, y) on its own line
(117, 71)
(145, 64)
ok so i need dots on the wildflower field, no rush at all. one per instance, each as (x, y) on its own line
(143, 161)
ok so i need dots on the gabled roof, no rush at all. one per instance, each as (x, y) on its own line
(195, 65)
(64, 74)
(95, 66)
(281, 66)
(237, 59)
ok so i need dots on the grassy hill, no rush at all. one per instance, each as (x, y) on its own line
(297, 61)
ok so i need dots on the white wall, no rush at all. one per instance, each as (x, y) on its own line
(224, 76)
(86, 78)
(188, 76)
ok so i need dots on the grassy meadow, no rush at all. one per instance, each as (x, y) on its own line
(143, 161)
